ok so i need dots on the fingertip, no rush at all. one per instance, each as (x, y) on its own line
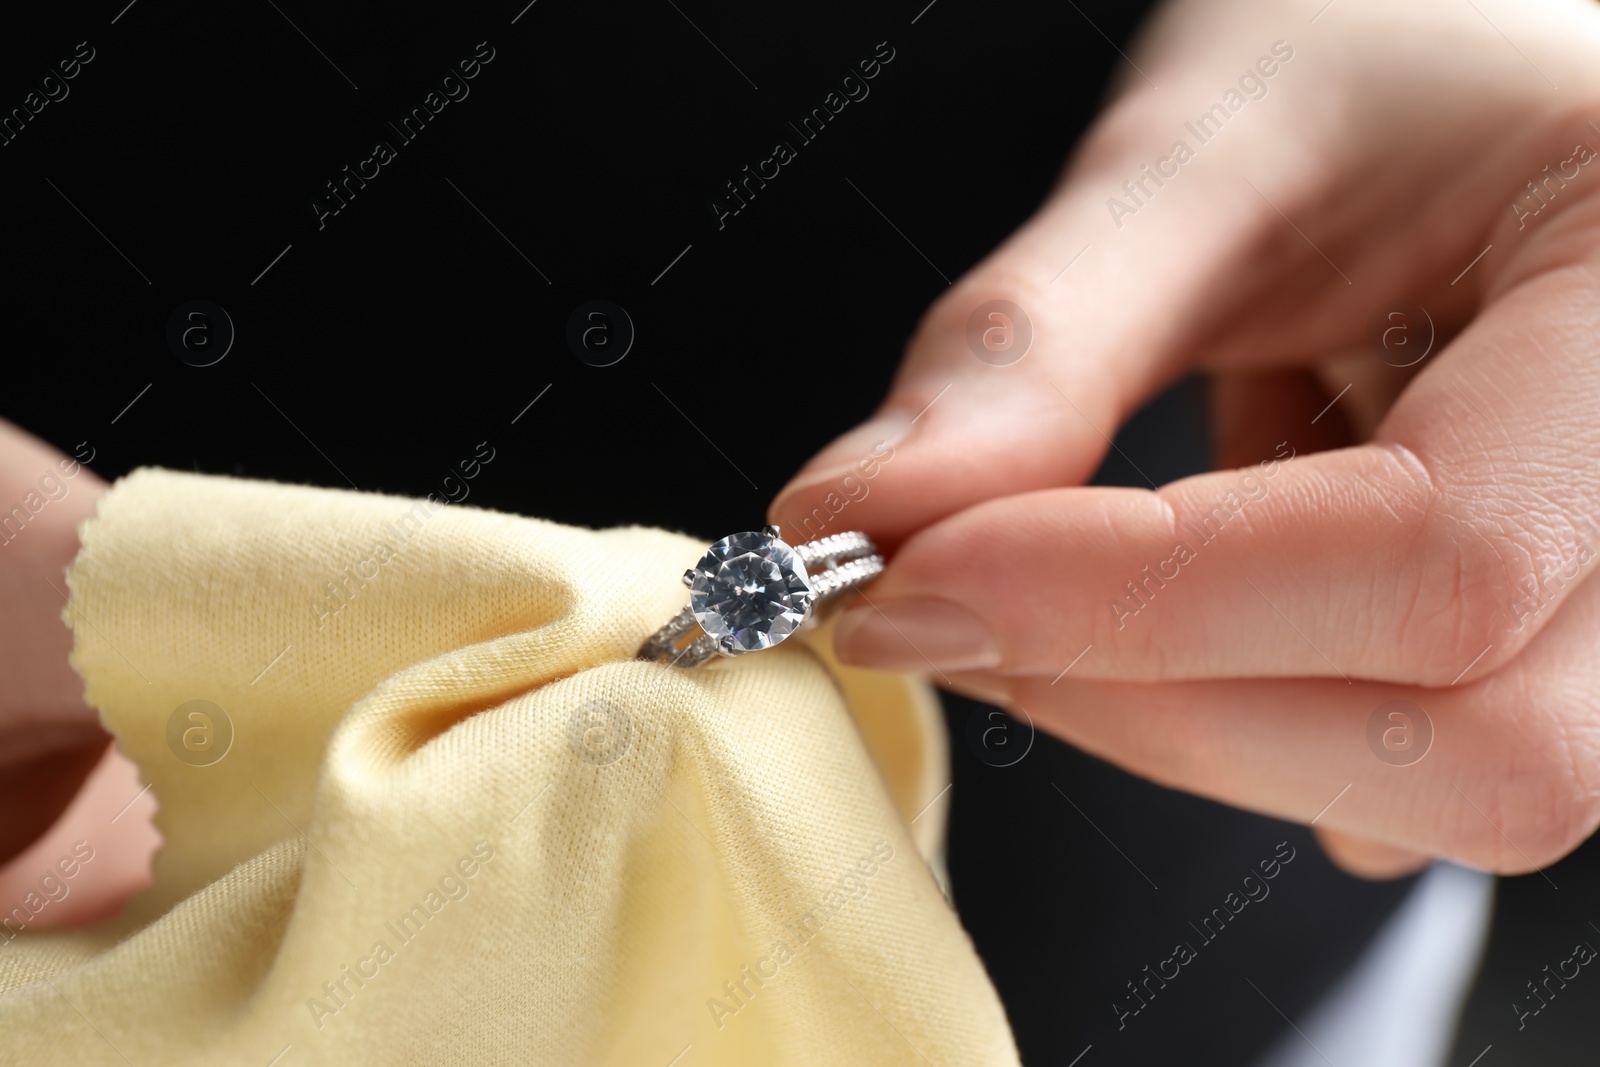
(1366, 858)
(839, 475)
(985, 686)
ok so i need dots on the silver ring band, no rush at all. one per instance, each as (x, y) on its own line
(751, 591)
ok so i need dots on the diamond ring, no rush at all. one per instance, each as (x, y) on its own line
(753, 590)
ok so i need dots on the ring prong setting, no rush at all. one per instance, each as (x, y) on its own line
(751, 591)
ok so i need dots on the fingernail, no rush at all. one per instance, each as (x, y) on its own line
(916, 635)
(857, 453)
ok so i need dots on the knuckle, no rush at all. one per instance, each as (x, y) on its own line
(1488, 572)
(1122, 131)
(1544, 801)
(1001, 279)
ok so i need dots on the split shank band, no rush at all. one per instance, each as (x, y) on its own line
(752, 590)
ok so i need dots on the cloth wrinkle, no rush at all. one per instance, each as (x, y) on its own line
(455, 820)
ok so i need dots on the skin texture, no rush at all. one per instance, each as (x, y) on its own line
(1380, 550)
(51, 742)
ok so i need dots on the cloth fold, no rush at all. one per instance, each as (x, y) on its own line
(420, 806)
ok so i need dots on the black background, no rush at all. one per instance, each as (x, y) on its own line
(426, 316)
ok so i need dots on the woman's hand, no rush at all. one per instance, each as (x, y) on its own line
(49, 738)
(1428, 539)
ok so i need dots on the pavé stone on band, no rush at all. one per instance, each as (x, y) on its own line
(751, 591)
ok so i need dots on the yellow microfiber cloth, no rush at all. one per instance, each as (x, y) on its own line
(421, 807)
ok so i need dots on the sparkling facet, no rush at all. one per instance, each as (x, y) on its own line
(751, 588)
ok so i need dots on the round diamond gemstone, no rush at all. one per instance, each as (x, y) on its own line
(749, 592)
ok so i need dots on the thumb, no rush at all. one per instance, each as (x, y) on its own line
(1019, 374)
